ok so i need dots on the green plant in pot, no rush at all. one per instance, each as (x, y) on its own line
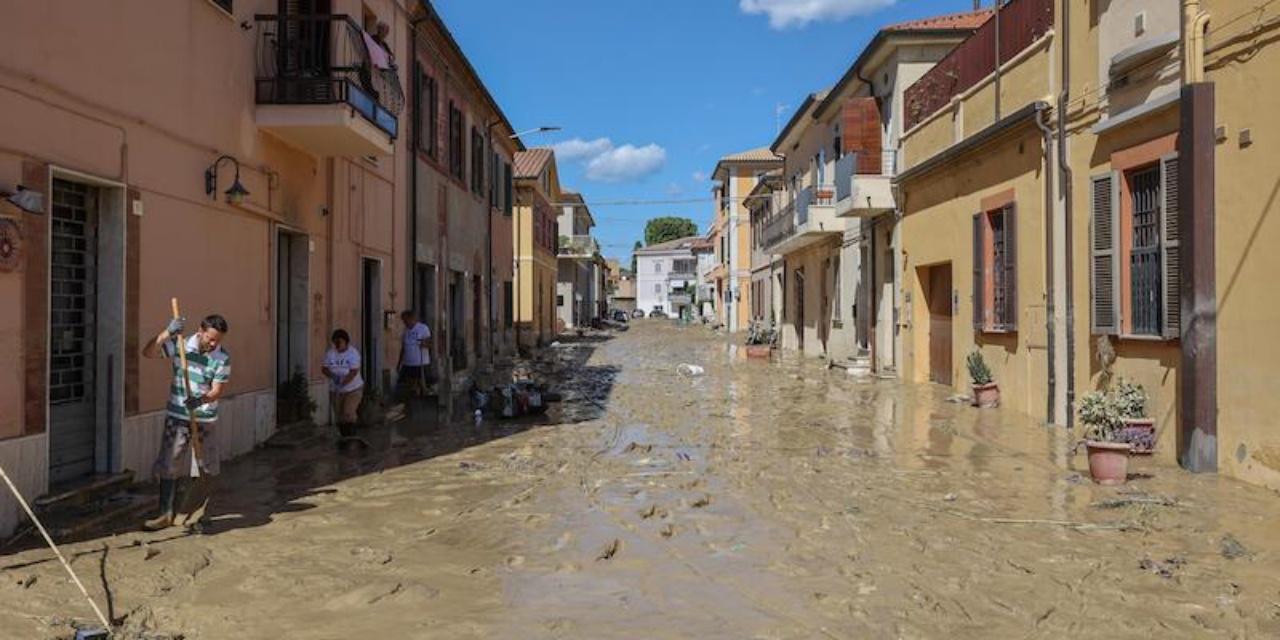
(986, 393)
(1103, 414)
(1137, 428)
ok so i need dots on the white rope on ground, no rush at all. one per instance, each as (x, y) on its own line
(106, 626)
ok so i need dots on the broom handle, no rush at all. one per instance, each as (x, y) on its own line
(106, 626)
(194, 430)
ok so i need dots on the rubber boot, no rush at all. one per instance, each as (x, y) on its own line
(196, 505)
(168, 494)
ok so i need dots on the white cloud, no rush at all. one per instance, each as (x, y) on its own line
(699, 176)
(579, 149)
(798, 13)
(674, 190)
(627, 162)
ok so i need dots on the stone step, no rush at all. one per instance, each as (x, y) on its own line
(82, 491)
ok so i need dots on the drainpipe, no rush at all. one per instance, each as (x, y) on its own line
(997, 39)
(413, 162)
(1047, 141)
(1065, 185)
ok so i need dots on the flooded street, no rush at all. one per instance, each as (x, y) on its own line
(760, 500)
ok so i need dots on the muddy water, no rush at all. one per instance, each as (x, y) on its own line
(761, 500)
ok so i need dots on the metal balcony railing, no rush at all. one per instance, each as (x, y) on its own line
(326, 59)
(578, 246)
(780, 227)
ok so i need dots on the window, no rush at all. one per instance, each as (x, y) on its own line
(995, 275)
(508, 186)
(508, 304)
(477, 162)
(657, 266)
(428, 114)
(1134, 251)
(657, 287)
(456, 149)
(559, 301)
(225, 5)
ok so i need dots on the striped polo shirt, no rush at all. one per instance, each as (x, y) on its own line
(204, 369)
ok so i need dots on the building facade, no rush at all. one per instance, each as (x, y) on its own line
(667, 277)
(537, 209)
(276, 165)
(582, 271)
(1062, 216)
(736, 175)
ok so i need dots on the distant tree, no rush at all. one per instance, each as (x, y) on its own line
(659, 230)
(639, 246)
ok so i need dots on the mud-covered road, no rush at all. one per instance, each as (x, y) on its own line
(761, 500)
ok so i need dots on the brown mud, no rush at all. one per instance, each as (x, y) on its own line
(761, 500)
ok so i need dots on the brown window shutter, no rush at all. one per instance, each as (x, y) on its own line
(1104, 258)
(861, 133)
(979, 274)
(1170, 248)
(1010, 319)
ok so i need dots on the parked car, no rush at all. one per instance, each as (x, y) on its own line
(658, 313)
(638, 313)
(620, 316)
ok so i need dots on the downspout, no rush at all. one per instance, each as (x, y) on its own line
(1064, 168)
(998, 62)
(1047, 141)
(416, 114)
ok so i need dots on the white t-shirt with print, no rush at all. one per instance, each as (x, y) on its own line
(340, 363)
(416, 355)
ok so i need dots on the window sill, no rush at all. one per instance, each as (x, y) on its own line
(997, 332)
(1137, 337)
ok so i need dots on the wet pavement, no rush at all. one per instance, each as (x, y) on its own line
(760, 500)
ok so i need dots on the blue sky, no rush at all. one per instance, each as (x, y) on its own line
(650, 94)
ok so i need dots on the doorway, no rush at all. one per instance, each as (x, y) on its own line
(73, 302)
(886, 324)
(938, 297)
(457, 340)
(371, 322)
(477, 316)
(292, 263)
(798, 274)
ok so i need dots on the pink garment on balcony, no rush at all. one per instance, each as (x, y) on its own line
(377, 55)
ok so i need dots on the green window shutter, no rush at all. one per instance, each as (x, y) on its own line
(1104, 256)
(1170, 248)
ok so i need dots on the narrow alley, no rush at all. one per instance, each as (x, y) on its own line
(759, 500)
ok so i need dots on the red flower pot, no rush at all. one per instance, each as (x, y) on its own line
(1108, 461)
(986, 395)
(759, 351)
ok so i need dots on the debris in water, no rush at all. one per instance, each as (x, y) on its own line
(28, 581)
(950, 497)
(610, 550)
(1117, 503)
(691, 370)
(701, 502)
(960, 399)
(1164, 569)
(1232, 548)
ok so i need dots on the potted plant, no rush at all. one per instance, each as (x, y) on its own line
(1103, 416)
(1137, 428)
(986, 393)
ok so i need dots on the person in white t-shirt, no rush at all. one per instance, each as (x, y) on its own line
(346, 387)
(415, 356)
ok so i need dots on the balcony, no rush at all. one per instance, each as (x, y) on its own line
(578, 247)
(322, 88)
(807, 220)
(863, 184)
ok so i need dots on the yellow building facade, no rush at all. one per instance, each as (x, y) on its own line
(1092, 210)
(537, 186)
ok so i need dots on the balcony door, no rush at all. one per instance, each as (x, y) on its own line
(303, 48)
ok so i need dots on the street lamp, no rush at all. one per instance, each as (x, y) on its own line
(236, 194)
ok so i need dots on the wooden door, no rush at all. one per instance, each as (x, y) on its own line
(939, 301)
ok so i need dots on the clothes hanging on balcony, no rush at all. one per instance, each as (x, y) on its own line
(377, 55)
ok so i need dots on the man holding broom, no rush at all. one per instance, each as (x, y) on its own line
(193, 396)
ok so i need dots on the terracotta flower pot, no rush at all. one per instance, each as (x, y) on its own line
(759, 351)
(986, 395)
(1141, 433)
(1108, 461)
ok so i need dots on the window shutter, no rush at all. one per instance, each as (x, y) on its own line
(1170, 248)
(508, 189)
(979, 275)
(1104, 267)
(1011, 268)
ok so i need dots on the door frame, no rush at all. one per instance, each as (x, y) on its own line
(371, 363)
(278, 230)
(109, 318)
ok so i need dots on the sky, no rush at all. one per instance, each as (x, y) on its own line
(649, 95)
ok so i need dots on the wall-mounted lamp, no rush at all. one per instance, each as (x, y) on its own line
(236, 194)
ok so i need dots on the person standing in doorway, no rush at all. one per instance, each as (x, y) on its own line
(208, 372)
(342, 367)
(415, 357)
